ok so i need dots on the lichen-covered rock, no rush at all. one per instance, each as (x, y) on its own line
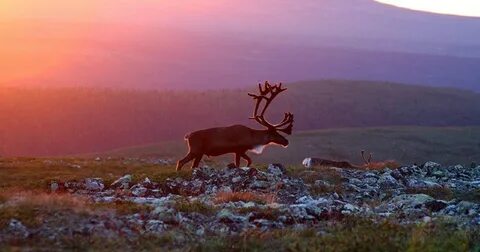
(276, 200)
(123, 182)
(275, 169)
(94, 184)
(388, 181)
(225, 216)
(138, 190)
(155, 226)
(17, 229)
(410, 201)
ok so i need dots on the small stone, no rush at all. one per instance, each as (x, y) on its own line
(260, 184)
(226, 216)
(410, 200)
(349, 207)
(236, 179)
(200, 231)
(275, 170)
(138, 190)
(427, 219)
(431, 164)
(464, 207)
(322, 183)
(123, 182)
(155, 226)
(249, 204)
(422, 184)
(16, 228)
(387, 181)
(94, 184)
(54, 186)
(225, 189)
(307, 162)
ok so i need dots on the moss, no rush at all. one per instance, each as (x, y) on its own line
(317, 190)
(309, 176)
(29, 215)
(123, 207)
(473, 196)
(442, 193)
(224, 197)
(351, 235)
(260, 213)
(36, 174)
(194, 207)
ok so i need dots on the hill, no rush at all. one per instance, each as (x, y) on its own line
(45, 122)
(408, 145)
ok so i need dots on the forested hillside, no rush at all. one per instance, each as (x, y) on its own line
(69, 121)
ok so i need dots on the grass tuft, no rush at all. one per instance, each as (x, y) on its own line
(224, 197)
(194, 207)
(442, 193)
(392, 164)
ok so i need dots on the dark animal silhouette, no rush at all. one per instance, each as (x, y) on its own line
(311, 162)
(239, 139)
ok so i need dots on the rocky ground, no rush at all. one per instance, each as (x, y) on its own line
(232, 201)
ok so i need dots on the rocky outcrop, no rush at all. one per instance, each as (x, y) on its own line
(278, 198)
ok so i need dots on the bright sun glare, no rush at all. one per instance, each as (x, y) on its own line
(453, 7)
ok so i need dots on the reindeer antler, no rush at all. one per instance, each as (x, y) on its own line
(268, 92)
(369, 160)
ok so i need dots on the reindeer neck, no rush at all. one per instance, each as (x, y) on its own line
(261, 137)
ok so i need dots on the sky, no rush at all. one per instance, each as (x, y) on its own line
(469, 8)
(99, 42)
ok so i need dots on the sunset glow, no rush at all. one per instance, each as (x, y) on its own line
(469, 8)
(155, 43)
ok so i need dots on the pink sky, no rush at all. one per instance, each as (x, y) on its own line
(86, 42)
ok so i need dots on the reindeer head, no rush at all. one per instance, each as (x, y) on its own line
(268, 93)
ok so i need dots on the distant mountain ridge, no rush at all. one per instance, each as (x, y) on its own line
(79, 120)
(239, 43)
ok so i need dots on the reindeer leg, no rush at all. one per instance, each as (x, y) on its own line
(196, 162)
(237, 159)
(185, 160)
(247, 158)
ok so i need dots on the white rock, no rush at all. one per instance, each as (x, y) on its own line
(350, 207)
(431, 165)
(54, 186)
(16, 228)
(307, 162)
(410, 200)
(94, 184)
(275, 170)
(226, 189)
(249, 204)
(123, 182)
(236, 179)
(155, 226)
(139, 191)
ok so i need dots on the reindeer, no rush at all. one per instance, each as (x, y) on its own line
(239, 139)
(368, 163)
